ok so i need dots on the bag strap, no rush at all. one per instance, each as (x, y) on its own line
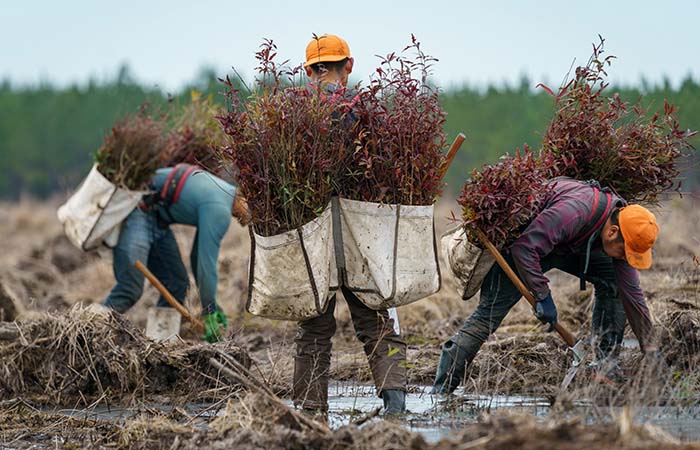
(601, 208)
(338, 241)
(175, 182)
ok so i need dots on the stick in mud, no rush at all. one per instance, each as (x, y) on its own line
(247, 379)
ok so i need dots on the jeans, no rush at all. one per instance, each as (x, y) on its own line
(499, 295)
(141, 239)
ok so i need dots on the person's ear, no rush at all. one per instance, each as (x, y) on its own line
(308, 71)
(613, 231)
(349, 64)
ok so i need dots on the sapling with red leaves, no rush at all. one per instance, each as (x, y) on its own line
(288, 143)
(502, 198)
(398, 134)
(598, 136)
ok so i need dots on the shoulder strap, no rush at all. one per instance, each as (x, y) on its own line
(601, 207)
(175, 182)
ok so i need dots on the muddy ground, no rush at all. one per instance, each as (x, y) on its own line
(57, 363)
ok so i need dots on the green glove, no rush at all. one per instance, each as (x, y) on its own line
(211, 325)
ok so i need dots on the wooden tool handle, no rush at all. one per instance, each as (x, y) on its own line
(561, 329)
(168, 296)
(454, 148)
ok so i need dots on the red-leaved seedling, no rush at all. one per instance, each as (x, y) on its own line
(398, 135)
(502, 198)
(598, 136)
(288, 142)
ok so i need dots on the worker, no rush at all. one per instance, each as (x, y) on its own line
(188, 195)
(328, 65)
(588, 232)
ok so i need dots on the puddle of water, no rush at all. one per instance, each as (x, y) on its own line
(424, 414)
(630, 343)
(349, 402)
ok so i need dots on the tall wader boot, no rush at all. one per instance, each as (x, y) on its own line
(394, 402)
(497, 297)
(312, 361)
(459, 351)
(310, 390)
(608, 327)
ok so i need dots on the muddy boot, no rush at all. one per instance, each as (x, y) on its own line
(394, 402)
(451, 368)
(310, 385)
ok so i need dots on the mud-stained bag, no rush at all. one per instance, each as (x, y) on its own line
(290, 273)
(389, 253)
(469, 263)
(93, 214)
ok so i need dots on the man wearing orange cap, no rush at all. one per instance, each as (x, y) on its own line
(328, 65)
(588, 232)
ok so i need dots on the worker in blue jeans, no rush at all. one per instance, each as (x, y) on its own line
(185, 195)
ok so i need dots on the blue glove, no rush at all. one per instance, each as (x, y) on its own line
(546, 312)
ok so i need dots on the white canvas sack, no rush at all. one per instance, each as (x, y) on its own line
(94, 213)
(469, 263)
(389, 252)
(290, 274)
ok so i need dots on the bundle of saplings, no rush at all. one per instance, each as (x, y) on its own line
(595, 135)
(196, 136)
(592, 136)
(398, 134)
(131, 151)
(501, 199)
(287, 142)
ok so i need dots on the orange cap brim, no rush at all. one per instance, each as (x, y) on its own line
(319, 59)
(641, 261)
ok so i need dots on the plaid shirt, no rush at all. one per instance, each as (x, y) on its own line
(556, 229)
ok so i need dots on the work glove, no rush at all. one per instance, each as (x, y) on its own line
(546, 312)
(212, 324)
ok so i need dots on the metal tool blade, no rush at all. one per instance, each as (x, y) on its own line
(579, 355)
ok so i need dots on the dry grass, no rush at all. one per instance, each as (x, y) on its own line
(84, 356)
(48, 275)
(249, 423)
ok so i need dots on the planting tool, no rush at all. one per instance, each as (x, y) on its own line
(577, 347)
(454, 148)
(168, 296)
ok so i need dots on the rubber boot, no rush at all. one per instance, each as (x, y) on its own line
(394, 402)
(451, 368)
(310, 385)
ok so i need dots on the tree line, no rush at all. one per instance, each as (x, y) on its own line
(48, 134)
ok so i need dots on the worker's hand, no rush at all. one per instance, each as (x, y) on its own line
(546, 311)
(240, 210)
(212, 325)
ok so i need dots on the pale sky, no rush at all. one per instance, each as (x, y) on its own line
(166, 43)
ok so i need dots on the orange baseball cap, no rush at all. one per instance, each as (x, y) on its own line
(639, 230)
(326, 48)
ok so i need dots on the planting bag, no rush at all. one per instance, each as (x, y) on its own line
(469, 263)
(94, 213)
(386, 254)
(290, 274)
